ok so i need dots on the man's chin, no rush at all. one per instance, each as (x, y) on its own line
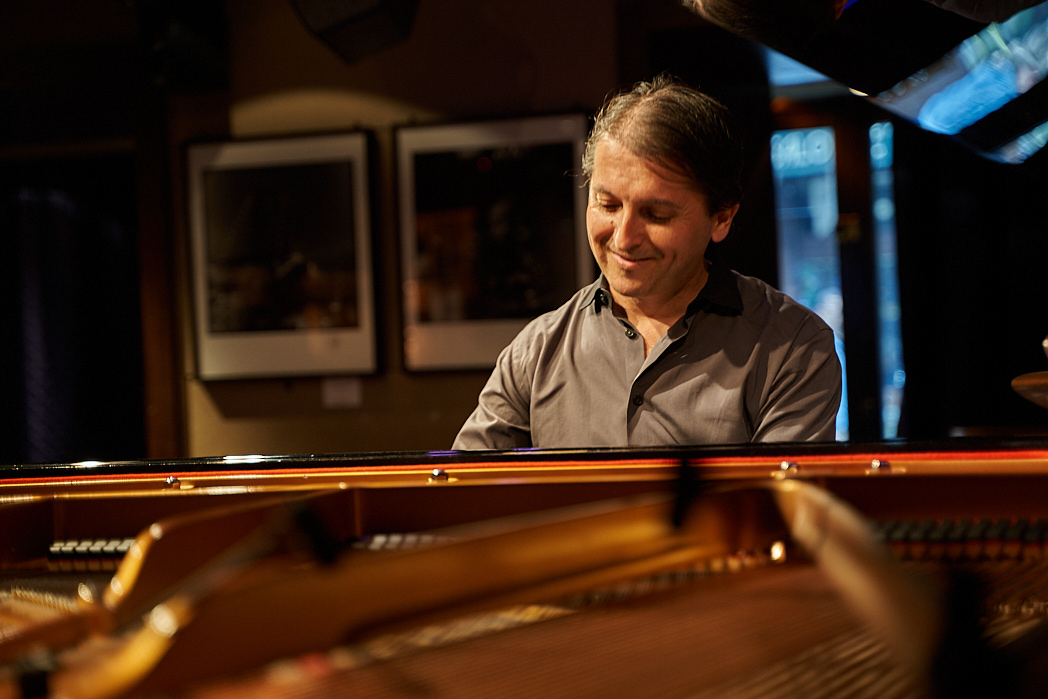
(627, 288)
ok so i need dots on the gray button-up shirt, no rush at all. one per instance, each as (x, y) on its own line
(745, 363)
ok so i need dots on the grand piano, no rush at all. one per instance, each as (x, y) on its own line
(779, 570)
(901, 569)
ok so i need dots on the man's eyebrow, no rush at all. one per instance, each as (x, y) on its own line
(661, 202)
(654, 201)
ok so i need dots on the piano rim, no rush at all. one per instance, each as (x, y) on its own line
(239, 474)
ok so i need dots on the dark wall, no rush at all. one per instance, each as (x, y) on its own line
(973, 254)
(71, 360)
(82, 90)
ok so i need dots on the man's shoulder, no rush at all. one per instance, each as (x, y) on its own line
(765, 304)
(542, 333)
(568, 312)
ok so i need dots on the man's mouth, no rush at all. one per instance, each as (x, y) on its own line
(628, 261)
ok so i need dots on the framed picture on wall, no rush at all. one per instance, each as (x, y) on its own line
(493, 233)
(281, 257)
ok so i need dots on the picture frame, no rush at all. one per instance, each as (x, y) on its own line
(281, 261)
(492, 218)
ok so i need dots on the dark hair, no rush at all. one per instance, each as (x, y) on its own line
(679, 128)
(785, 25)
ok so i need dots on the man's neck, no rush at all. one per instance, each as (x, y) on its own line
(653, 317)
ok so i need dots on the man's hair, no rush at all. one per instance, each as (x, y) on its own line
(679, 128)
(785, 25)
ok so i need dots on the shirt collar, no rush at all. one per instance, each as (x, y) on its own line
(600, 295)
(720, 294)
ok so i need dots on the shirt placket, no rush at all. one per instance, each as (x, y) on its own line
(644, 378)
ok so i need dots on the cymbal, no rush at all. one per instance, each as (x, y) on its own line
(1033, 387)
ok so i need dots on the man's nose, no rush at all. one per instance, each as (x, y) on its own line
(629, 230)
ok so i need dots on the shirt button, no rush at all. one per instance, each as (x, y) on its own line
(631, 333)
(638, 400)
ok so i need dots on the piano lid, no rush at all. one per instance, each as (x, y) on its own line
(975, 72)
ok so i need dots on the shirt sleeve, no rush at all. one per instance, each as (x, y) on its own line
(502, 418)
(805, 394)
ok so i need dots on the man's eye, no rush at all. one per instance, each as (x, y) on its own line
(658, 217)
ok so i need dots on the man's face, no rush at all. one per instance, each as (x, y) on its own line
(648, 229)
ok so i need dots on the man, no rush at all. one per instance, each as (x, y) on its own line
(664, 348)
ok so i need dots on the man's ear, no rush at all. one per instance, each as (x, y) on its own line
(722, 223)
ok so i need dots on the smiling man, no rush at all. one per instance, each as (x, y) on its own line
(664, 348)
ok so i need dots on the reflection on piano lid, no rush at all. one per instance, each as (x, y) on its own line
(1033, 387)
(990, 90)
(981, 83)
